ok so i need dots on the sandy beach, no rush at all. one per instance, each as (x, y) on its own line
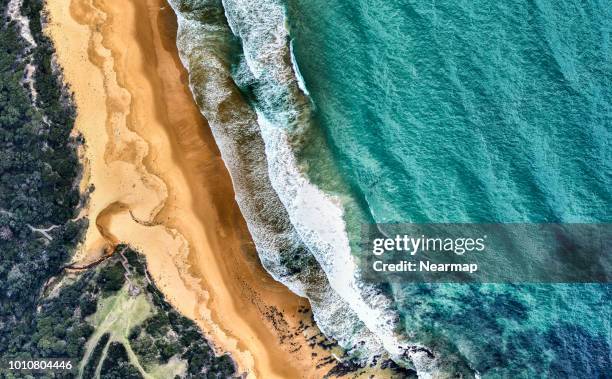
(160, 185)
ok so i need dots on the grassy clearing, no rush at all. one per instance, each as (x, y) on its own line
(117, 315)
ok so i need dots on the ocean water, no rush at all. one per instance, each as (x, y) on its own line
(465, 111)
(474, 112)
(331, 114)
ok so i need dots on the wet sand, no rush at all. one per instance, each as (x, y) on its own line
(160, 185)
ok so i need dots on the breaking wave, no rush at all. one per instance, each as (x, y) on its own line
(247, 84)
(206, 47)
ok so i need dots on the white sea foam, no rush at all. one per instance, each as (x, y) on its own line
(237, 133)
(270, 187)
(296, 70)
(317, 217)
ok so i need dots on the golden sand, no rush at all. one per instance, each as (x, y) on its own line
(161, 186)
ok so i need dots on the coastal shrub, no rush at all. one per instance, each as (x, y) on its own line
(112, 277)
(94, 359)
(117, 365)
(38, 169)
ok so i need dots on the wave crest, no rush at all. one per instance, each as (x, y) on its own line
(299, 230)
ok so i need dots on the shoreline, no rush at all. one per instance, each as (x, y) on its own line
(161, 186)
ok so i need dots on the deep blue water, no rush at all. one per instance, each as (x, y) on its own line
(457, 111)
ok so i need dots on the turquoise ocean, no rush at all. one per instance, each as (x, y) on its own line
(333, 114)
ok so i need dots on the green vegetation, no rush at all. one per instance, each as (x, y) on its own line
(148, 337)
(94, 358)
(38, 172)
(112, 278)
(117, 364)
(132, 333)
(160, 342)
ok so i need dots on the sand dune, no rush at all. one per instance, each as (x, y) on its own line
(161, 186)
